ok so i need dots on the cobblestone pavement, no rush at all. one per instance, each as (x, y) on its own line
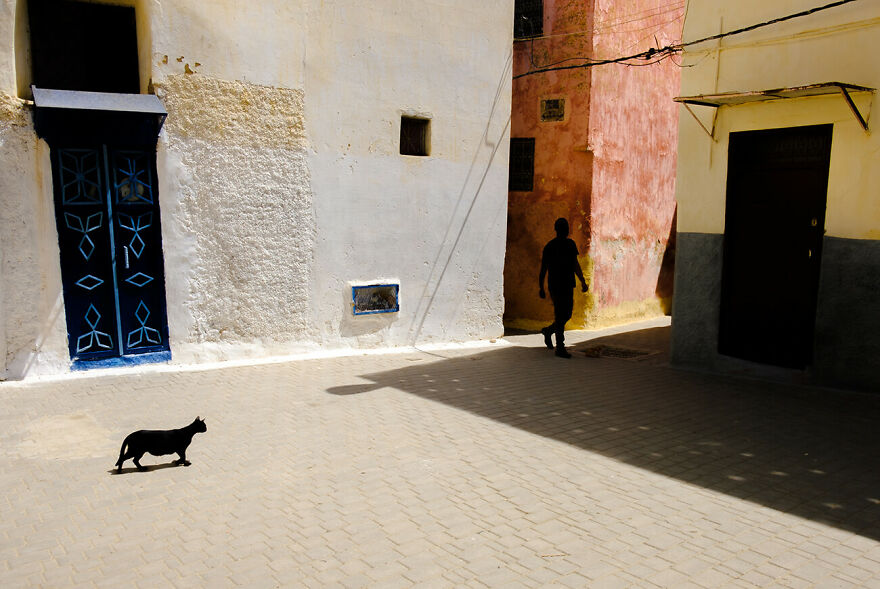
(501, 466)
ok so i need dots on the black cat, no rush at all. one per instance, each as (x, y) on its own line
(159, 443)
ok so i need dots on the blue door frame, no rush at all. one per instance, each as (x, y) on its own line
(112, 270)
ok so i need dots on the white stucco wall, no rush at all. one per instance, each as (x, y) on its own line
(281, 181)
(364, 213)
(436, 223)
(7, 45)
(32, 320)
(238, 226)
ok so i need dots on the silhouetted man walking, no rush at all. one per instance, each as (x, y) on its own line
(560, 261)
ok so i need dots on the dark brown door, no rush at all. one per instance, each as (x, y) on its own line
(776, 187)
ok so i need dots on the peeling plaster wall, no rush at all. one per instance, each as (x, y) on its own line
(237, 218)
(633, 138)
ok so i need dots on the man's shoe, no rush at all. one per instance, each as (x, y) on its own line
(562, 353)
(547, 341)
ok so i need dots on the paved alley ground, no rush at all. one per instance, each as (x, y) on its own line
(499, 466)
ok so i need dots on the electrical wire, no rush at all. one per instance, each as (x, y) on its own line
(600, 28)
(687, 7)
(656, 28)
(657, 55)
(767, 23)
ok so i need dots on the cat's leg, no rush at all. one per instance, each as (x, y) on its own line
(122, 456)
(183, 461)
(137, 462)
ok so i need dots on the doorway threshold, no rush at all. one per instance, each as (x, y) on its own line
(134, 360)
(739, 367)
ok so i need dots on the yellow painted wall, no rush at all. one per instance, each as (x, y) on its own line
(836, 45)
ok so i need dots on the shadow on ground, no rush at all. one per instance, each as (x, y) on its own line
(146, 468)
(809, 452)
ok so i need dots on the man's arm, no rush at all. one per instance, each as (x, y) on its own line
(580, 274)
(577, 269)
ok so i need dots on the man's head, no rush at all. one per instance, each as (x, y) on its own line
(561, 227)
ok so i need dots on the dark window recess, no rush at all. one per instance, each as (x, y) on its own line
(553, 109)
(528, 18)
(414, 136)
(84, 46)
(522, 164)
(378, 298)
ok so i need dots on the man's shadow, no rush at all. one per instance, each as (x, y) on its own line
(354, 389)
(146, 468)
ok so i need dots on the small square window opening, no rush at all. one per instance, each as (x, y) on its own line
(414, 136)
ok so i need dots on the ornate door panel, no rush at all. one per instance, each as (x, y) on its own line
(112, 270)
(138, 245)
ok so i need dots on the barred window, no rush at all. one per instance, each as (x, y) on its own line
(528, 19)
(522, 164)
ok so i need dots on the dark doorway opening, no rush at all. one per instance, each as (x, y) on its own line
(84, 46)
(776, 191)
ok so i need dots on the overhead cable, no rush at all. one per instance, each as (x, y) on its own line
(661, 53)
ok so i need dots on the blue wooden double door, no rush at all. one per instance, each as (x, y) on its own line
(112, 270)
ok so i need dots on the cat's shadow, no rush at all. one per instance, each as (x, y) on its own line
(147, 468)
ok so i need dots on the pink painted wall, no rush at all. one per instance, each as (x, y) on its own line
(609, 167)
(562, 164)
(633, 137)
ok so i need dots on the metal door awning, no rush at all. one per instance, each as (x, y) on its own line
(736, 98)
(137, 118)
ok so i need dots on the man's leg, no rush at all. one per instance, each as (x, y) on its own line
(563, 304)
(547, 332)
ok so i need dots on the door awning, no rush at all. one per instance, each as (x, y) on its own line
(736, 98)
(68, 115)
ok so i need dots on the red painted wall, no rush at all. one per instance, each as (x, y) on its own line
(633, 137)
(609, 167)
(563, 173)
